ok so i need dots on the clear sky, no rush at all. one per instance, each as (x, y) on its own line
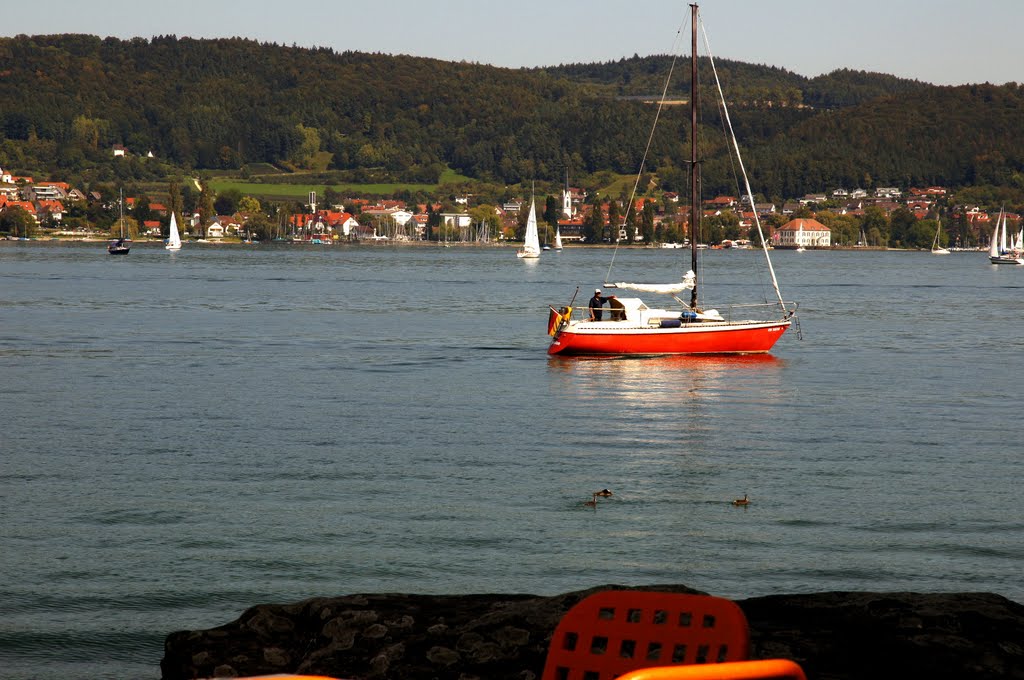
(937, 41)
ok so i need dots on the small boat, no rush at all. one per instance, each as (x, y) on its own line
(801, 249)
(937, 248)
(531, 241)
(119, 246)
(1000, 250)
(558, 239)
(174, 238)
(679, 327)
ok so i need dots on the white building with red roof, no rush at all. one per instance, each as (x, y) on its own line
(803, 232)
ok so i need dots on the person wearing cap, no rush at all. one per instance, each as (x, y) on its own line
(596, 303)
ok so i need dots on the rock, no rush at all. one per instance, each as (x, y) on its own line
(891, 635)
(834, 636)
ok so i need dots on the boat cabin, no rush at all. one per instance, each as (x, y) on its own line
(635, 312)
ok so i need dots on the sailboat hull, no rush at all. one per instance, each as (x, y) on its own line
(611, 337)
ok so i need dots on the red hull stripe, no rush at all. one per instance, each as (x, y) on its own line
(748, 338)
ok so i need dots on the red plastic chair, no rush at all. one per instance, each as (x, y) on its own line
(616, 631)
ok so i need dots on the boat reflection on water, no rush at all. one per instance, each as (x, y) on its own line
(663, 388)
(683, 412)
(668, 367)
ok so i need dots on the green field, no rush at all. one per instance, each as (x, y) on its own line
(613, 185)
(301, 191)
(621, 184)
(256, 169)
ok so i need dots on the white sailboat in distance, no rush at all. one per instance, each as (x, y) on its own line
(937, 247)
(1000, 250)
(174, 238)
(531, 242)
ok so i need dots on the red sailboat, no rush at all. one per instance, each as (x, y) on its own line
(681, 326)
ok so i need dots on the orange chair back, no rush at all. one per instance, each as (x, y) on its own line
(765, 669)
(615, 631)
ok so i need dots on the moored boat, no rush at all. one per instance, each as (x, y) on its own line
(120, 246)
(937, 247)
(685, 327)
(531, 241)
(1001, 250)
(173, 238)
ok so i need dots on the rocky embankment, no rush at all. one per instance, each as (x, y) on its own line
(505, 637)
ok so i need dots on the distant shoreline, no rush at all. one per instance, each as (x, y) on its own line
(453, 244)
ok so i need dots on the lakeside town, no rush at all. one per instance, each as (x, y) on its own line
(883, 217)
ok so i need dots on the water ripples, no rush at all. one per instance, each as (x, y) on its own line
(187, 437)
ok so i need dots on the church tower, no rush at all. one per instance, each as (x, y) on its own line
(566, 199)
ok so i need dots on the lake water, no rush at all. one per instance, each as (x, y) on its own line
(186, 435)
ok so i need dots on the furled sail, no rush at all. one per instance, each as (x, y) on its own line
(688, 282)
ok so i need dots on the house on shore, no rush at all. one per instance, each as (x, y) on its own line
(803, 232)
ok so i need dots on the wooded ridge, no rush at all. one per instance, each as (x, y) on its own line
(66, 100)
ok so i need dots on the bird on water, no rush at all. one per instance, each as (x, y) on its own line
(742, 501)
(603, 493)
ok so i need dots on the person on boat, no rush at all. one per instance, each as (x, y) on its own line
(596, 303)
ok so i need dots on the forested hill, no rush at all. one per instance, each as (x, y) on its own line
(747, 84)
(206, 104)
(947, 136)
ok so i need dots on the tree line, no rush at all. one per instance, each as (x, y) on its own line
(65, 100)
